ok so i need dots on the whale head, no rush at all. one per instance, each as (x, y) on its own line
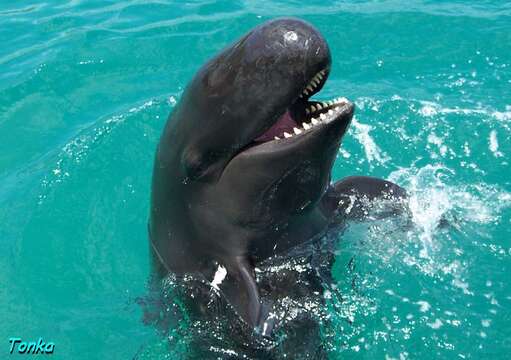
(246, 137)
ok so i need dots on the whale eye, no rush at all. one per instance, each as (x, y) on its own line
(200, 164)
(194, 164)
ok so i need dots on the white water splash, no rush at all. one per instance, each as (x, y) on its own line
(432, 200)
(428, 201)
(372, 151)
(428, 109)
(424, 306)
(436, 140)
(504, 115)
(494, 144)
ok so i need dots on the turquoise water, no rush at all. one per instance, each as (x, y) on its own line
(85, 89)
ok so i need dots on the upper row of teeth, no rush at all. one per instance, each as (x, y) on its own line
(313, 84)
(322, 118)
(324, 104)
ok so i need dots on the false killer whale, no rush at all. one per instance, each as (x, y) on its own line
(242, 170)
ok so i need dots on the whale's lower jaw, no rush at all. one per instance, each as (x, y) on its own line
(304, 116)
(296, 122)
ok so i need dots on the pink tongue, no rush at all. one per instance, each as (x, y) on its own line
(285, 123)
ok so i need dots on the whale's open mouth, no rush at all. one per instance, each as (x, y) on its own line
(304, 116)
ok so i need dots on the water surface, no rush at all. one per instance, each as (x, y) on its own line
(85, 89)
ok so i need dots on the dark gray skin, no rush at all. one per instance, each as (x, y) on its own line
(223, 191)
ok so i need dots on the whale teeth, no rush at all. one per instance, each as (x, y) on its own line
(330, 112)
(297, 131)
(313, 83)
(306, 126)
(314, 121)
(307, 111)
(322, 116)
(277, 138)
(313, 108)
(286, 135)
(320, 106)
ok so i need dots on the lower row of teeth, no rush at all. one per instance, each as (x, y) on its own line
(321, 105)
(322, 118)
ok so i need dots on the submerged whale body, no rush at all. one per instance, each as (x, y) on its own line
(242, 172)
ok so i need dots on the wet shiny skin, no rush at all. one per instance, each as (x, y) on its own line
(86, 88)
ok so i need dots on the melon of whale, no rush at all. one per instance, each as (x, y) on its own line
(242, 170)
